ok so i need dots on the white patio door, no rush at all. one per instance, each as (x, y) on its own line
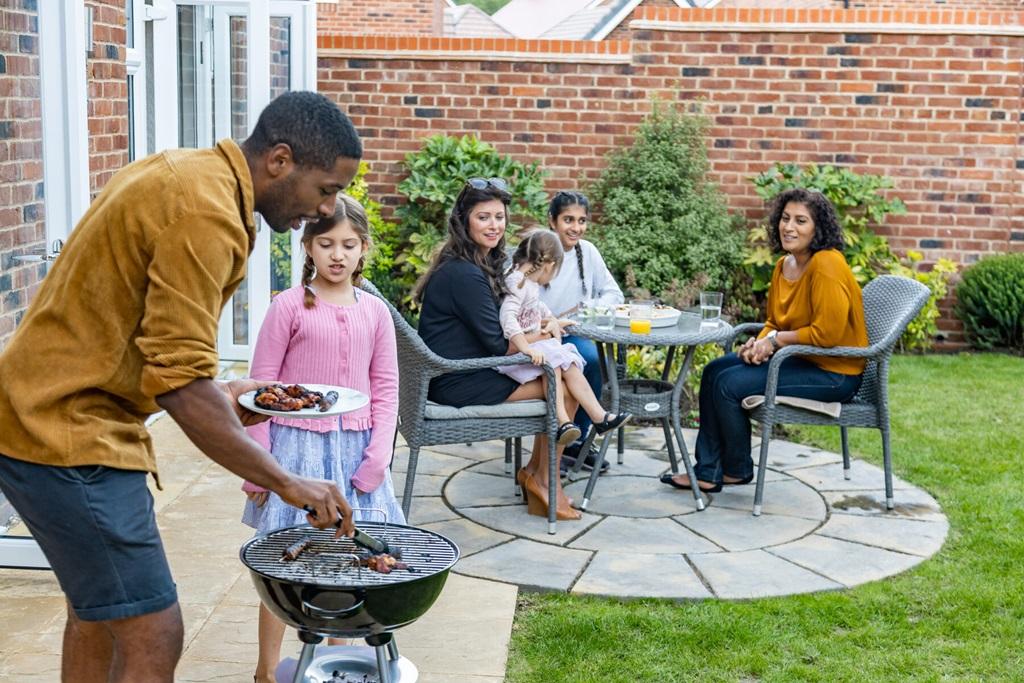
(218, 63)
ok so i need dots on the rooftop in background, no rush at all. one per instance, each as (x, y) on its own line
(565, 19)
(531, 18)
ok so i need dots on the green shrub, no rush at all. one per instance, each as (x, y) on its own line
(656, 213)
(921, 331)
(380, 262)
(437, 173)
(990, 302)
(859, 203)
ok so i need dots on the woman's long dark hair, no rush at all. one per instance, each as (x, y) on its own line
(461, 246)
(559, 203)
(828, 234)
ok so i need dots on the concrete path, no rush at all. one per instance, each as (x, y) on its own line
(641, 538)
(198, 513)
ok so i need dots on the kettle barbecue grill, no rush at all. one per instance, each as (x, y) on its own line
(325, 592)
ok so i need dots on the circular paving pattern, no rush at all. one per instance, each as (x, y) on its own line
(641, 538)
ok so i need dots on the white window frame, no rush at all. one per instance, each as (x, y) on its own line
(65, 127)
(64, 115)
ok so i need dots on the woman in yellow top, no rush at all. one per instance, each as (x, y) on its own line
(813, 299)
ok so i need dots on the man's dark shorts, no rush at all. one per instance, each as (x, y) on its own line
(96, 526)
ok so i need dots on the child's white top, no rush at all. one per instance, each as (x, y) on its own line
(566, 290)
(521, 309)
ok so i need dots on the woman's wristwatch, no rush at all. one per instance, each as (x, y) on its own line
(771, 338)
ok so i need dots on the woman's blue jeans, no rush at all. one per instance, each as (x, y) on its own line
(723, 440)
(592, 371)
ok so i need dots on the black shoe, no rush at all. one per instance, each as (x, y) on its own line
(668, 478)
(567, 433)
(611, 422)
(741, 482)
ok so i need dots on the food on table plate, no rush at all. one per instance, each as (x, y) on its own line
(382, 563)
(329, 399)
(660, 311)
(290, 397)
(292, 552)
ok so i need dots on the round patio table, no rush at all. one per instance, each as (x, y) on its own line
(651, 399)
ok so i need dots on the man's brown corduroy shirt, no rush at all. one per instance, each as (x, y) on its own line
(129, 310)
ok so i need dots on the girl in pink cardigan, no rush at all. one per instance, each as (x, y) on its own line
(327, 331)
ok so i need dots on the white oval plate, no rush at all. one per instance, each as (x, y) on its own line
(663, 317)
(348, 400)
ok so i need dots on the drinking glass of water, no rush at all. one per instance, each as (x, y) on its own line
(710, 307)
(603, 317)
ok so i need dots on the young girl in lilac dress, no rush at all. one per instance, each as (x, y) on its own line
(328, 331)
(534, 264)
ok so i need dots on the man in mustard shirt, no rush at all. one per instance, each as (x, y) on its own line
(125, 324)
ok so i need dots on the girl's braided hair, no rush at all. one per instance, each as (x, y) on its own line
(345, 209)
(538, 248)
(559, 203)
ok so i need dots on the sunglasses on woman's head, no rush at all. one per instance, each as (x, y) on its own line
(483, 183)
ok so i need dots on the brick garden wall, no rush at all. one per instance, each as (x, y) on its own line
(21, 160)
(108, 93)
(938, 112)
(380, 17)
(22, 229)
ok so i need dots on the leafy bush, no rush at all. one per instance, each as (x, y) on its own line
(990, 302)
(657, 214)
(437, 173)
(380, 262)
(921, 331)
(858, 204)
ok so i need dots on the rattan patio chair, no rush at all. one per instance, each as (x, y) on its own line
(890, 303)
(424, 423)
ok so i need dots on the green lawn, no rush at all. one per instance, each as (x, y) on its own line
(958, 432)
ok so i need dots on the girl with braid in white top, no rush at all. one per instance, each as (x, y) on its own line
(584, 276)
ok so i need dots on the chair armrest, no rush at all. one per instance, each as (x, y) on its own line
(742, 328)
(771, 386)
(454, 365)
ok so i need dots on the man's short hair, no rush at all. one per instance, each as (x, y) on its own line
(314, 127)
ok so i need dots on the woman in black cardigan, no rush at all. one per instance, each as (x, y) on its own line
(459, 296)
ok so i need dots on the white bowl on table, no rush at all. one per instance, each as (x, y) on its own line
(663, 316)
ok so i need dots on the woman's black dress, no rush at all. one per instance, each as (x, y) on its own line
(459, 319)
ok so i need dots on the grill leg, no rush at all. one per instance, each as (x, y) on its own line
(383, 670)
(383, 646)
(393, 650)
(309, 643)
(508, 456)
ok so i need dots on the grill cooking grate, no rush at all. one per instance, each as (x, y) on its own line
(331, 562)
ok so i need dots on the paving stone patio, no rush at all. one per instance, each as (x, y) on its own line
(640, 538)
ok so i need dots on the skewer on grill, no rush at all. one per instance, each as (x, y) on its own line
(292, 552)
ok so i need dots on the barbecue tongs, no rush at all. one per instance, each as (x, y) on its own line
(361, 538)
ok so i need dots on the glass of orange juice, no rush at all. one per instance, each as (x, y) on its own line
(640, 312)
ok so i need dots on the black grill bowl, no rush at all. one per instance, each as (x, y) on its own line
(345, 606)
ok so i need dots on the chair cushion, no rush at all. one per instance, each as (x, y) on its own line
(832, 409)
(531, 408)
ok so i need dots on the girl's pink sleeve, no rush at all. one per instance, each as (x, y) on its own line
(267, 359)
(383, 406)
